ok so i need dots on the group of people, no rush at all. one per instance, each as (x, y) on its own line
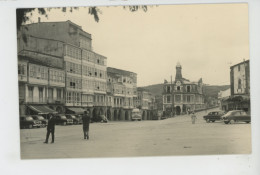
(52, 122)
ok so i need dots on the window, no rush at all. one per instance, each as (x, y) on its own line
(188, 88)
(178, 88)
(40, 94)
(168, 98)
(58, 94)
(239, 84)
(168, 89)
(50, 93)
(21, 69)
(178, 98)
(188, 98)
(69, 97)
(30, 88)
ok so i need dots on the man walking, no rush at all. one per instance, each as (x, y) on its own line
(193, 118)
(85, 123)
(50, 129)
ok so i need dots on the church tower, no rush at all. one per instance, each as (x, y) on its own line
(178, 75)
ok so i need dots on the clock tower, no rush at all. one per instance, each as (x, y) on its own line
(178, 75)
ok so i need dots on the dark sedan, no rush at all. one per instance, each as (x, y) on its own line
(29, 122)
(42, 119)
(100, 118)
(63, 120)
(76, 120)
(213, 116)
(236, 116)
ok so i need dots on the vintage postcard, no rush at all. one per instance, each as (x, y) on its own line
(134, 81)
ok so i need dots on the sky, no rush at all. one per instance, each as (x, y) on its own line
(206, 39)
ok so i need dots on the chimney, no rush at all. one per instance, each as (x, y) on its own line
(39, 19)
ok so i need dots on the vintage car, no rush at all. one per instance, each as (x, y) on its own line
(99, 118)
(79, 117)
(136, 114)
(29, 122)
(63, 120)
(76, 120)
(236, 116)
(213, 116)
(42, 119)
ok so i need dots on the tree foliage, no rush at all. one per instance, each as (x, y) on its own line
(23, 15)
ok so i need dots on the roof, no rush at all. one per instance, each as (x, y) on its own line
(119, 71)
(246, 61)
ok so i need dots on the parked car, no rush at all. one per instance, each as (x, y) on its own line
(236, 116)
(29, 122)
(99, 118)
(42, 119)
(63, 120)
(79, 117)
(74, 118)
(136, 114)
(213, 116)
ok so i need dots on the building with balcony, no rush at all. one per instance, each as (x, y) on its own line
(41, 78)
(65, 47)
(182, 95)
(145, 101)
(121, 91)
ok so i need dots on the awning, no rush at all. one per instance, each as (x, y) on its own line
(42, 109)
(76, 110)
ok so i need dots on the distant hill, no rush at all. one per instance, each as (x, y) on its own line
(210, 91)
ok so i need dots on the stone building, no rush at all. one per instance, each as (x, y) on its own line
(182, 95)
(240, 86)
(121, 91)
(67, 46)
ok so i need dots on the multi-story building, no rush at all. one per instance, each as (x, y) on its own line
(146, 102)
(182, 95)
(121, 91)
(41, 76)
(65, 44)
(240, 86)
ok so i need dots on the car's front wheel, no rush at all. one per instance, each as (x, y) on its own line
(232, 121)
(226, 122)
(64, 123)
(207, 120)
(30, 126)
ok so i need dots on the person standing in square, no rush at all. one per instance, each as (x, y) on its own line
(50, 128)
(193, 117)
(85, 124)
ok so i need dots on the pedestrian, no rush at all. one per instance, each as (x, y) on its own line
(193, 118)
(85, 123)
(50, 128)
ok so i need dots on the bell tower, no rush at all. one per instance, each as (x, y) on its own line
(178, 75)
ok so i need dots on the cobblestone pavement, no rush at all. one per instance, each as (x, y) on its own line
(173, 136)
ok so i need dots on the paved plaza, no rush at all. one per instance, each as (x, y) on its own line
(173, 136)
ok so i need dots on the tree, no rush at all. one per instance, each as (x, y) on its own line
(22, 14)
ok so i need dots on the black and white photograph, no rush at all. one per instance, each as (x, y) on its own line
(158, 80)
(137, 81)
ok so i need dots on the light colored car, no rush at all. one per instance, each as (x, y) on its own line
(236, 116)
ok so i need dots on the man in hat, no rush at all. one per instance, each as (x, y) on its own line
(85, 123)
(50, 128)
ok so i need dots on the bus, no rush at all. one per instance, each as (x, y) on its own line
(136, 114)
